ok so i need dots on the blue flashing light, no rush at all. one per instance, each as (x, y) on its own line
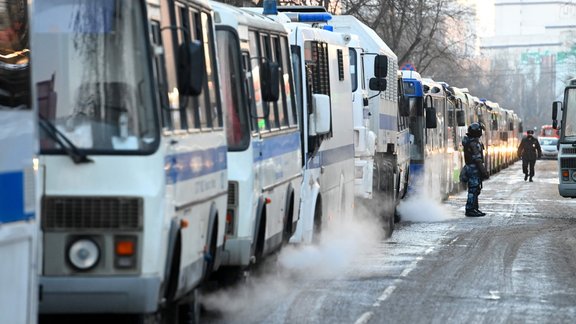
(328, 27)
(314, 17)
(412, 88)
(270, 7)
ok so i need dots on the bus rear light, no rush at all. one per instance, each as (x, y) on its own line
(230, 222)
(267, 201)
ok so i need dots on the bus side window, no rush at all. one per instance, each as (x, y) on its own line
(256, 56)
(287, 83)
(214, 118)
(249, 86)
(268, 55)
(160, 72)
(184, 36)
(280, 105)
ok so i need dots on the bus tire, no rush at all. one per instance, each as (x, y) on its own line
(317, 225)
(288, 225)
(211, 253)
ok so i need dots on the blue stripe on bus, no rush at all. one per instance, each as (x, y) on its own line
(189, 165)
(388, 122)
(12, 198)
(331, 156)
(273, 146)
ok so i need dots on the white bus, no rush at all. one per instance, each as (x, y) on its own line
(18, 199)
(265, 170)
(322, 79)
(133, 149)
(567, 141)
(386, 119)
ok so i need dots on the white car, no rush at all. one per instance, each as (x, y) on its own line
(549, 147)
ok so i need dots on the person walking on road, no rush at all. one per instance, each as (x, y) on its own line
(474, 171)
(529, 151)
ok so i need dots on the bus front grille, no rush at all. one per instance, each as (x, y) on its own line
(568, 163)
(69, 212)
(568, 150)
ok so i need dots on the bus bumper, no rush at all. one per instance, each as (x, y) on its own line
(567, 190)
(99, 295)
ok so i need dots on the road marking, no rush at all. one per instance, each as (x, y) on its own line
(364, 318)
(387, 292)
(406, 271)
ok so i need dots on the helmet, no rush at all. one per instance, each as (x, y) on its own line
(475, 130)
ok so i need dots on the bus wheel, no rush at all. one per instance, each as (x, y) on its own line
(189, 311)
(317, 227)
(386, 194)
(288, 227)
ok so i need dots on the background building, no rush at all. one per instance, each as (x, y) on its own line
(532, 52)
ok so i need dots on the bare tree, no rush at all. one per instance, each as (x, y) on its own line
(425, 33)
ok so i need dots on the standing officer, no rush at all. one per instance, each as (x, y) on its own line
(474, 171)
(529, 150)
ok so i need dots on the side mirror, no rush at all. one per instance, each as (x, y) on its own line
(555, 106)
(460, 118)
(190, 61)
(431, 121)
(381, 66)
(269, 80)
(377, 84)
(320, 119)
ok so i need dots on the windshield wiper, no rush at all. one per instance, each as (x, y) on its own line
(73, 152)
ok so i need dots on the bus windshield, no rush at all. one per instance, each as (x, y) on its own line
(90, 70)
(569, 113)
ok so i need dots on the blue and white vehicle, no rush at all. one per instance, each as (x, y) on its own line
(566, 149)
(427, 102)
(418, 125)
(322, 76)
(133, 153)
(18, 177)
(264, 135)
(385, 117)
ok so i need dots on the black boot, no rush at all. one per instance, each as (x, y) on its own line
(525, 177)
(531, 179)
(473, 213)
(480, 212)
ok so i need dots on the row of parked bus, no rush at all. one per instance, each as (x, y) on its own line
(184, 141)
(439, 117)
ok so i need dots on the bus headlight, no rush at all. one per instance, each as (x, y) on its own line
(83, 254)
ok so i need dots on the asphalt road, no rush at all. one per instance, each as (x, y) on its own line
(515, 265)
